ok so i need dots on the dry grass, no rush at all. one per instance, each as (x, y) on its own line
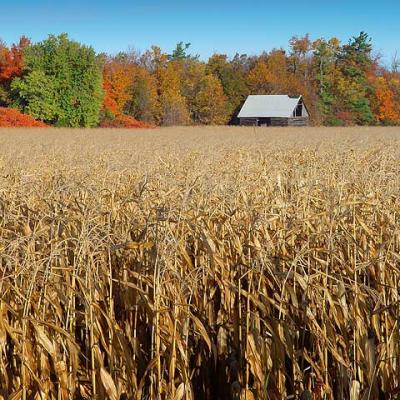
(200, 263)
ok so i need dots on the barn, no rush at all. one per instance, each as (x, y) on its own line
(274, 110)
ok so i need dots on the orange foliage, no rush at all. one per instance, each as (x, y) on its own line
(11, 62)
(11, 118)
(271, 76)
(117, 81)
(109, 102)
(124, 121)
(386, 108)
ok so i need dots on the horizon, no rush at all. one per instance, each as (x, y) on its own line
(108, 28)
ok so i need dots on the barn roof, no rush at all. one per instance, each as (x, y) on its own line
(269, 106)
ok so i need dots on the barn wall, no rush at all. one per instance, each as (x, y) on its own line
(248, 121)
(298, 121)
(279, 121)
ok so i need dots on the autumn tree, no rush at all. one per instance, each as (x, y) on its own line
(11, 60)
(271, 75)
(211, 102)
(118, 79)
(173, 108)
(386, 101)
(143, 102)
(11, 66)
(300, 59)
(232, 74)
(191, 72)
(154, 60)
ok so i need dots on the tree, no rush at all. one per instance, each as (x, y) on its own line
(143, 103)
(210, 102)
(11, 66)
(11, 60)
(191, 73)
(261, 79)
(118, 78)
(154, 59)
(61, 84)
(395, 65)
(173, 106)
(37, 93)
(300, 48)
(232, 75)
(354, 62)
(325, 76)
(180, 53)
(386, 104)
(355, 57)
(271, 75)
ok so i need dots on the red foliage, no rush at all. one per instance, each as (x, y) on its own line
(346, 116)
(11, 118)
(11, 63)
(124, 121)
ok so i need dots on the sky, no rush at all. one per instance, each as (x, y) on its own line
(209, 25)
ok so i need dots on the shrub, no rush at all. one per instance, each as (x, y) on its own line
(124, 121)
(334, 121)
(10, 118)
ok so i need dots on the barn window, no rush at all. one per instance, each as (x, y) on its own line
(299, 110)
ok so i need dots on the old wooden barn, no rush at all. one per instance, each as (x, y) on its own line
(274, 110)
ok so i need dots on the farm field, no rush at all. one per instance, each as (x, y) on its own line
(200, 263)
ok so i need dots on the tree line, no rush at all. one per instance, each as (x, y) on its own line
(64, 83)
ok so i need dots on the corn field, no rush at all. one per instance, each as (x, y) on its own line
(200, 264)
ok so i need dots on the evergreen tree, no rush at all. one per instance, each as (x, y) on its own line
(355, 60)
(180, 53)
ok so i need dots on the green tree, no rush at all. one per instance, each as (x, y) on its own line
(354, 61)
(180, 53)
(37, 95)
(143, 103)
(232, 75)
(325, 74)
(62, 83)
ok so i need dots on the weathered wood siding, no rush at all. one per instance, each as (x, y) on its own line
(294, 121)
(249, 121)
(298, 121)
(279, 121)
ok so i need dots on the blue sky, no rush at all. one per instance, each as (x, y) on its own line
(211, 26)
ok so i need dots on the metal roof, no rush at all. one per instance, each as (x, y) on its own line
(269, 106)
